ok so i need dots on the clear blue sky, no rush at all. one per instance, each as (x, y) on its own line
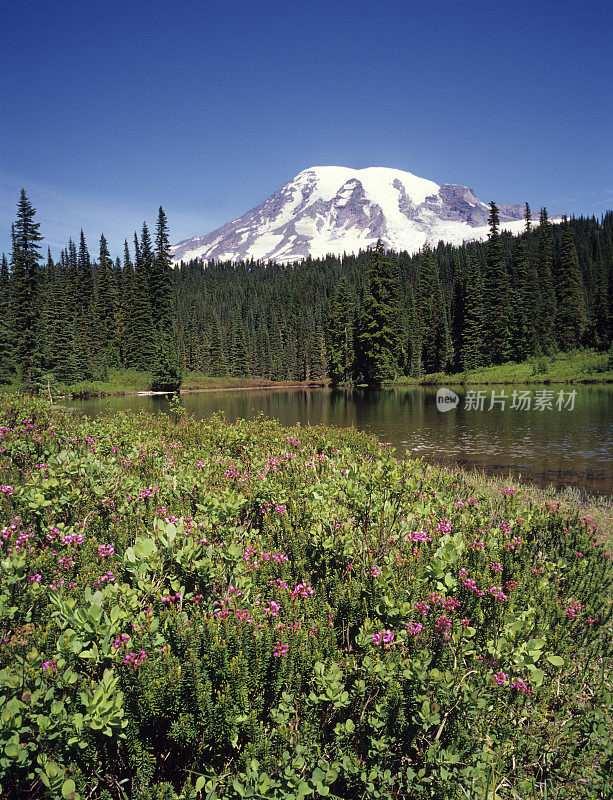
(110, 109)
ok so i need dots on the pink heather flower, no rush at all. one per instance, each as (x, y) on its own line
(418, 536)
(518, 684)
(574, 607)
(386, 638)
(500, 677)
(375, 571)
(496, 591)
(280, 649)
(423, 607)
(272, 608)
(135, 659)
(52, 665)
(302, 590)
(496, 566)
(451, 604)
(414, 628)
(465, 622)
(444, 625)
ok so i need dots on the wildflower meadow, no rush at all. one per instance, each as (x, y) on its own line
(211, 610)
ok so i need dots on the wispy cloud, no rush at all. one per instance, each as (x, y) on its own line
(62, 216)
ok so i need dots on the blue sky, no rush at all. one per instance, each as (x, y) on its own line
(110, 109)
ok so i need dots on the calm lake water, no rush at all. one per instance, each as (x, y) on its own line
(561, 439)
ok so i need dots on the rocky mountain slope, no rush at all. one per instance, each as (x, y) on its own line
(337, 209)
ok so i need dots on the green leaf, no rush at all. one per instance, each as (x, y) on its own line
(68, 788)
(144, 548)
(11, 749)
(557, 661)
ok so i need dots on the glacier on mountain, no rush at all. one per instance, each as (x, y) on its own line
(342, 210)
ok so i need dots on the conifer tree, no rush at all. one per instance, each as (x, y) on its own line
(6, 361)
(497, 317)
(318, 351)
(239, 358)
(218, 365)
(472, 336)
(140, 339)
(341, 331)
(84, 288)
(161, 278)
(166, 370)
(547, 299)
(571, 318)
(60, 333)
(433, 339)
(104, 303)
(378, 334)
(523, 326)
(25, 297)
(600, 321)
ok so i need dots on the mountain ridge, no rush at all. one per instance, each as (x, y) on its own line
(337, 210)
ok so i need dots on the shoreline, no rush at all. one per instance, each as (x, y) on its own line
(324, 384)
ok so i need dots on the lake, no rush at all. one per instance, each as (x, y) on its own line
(560, 435)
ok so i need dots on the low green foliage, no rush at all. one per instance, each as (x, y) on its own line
(203, 610)
(579, 366)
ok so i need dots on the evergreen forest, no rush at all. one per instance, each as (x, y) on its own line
(367, 318)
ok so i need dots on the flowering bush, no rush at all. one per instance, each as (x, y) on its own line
(202, 609)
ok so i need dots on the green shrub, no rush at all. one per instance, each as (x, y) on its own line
(197, 609)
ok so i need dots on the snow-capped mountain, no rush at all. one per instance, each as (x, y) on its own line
(337, 209)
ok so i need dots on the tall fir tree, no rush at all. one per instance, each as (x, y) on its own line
(433, 338)
(6, 345)
(523, 311)
(140, 338)
(600, 323)
(341, 333)
(496, 295)
(378, 333)
(571, 317)
(547, 297)
(471, 356)
(161, 273)
(166, 369)
(104, 304)
(25, 296)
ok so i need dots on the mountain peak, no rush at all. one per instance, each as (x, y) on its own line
(331, 209)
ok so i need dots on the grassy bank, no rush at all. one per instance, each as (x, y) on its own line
(130, 381)
(196, 609)
(577, 366)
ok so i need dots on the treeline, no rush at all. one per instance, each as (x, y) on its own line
(378, 315)
(74, 318)
(368, 317)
